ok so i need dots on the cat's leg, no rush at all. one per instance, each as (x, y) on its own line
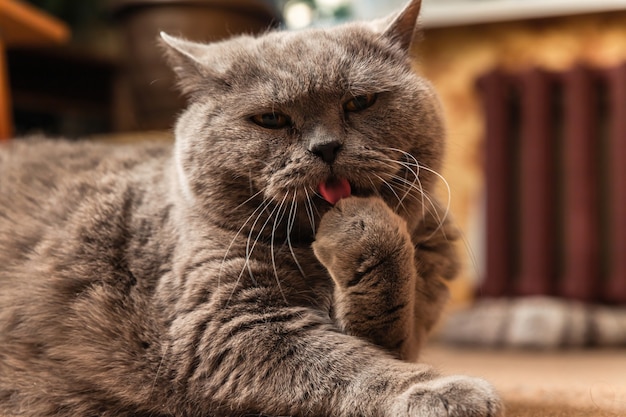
(379, 294)
(244, 356)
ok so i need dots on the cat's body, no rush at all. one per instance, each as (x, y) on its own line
(283, 258)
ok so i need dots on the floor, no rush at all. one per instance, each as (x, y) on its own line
(544, 384)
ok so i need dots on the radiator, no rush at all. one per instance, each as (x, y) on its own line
(556, 184)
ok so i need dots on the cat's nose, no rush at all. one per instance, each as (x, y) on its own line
(326, 150)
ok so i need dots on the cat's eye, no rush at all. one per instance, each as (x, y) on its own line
(272, 120)
(360, 103)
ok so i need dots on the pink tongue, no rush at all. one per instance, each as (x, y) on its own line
(334, 190)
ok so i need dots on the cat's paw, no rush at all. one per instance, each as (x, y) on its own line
(451, 396)
(358, 233)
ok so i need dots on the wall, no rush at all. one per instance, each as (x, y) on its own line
(453, 58)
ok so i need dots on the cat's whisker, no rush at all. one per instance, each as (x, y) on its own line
(277, 222)
(280, 214)
(416, 164)
(409, 167)
(290, 223)
(308, 206)
(405, 181)
(250, 248)
(374, 187)
(420, 166)
(449, 196)
(252, 197)
(314, 193)
(423, 195)
(406, 154)
(394, 193)
(469, 251)
(435, 213)
(401, 152)
(441, 220)
(417, 197)
(158, 371)
(406, 187)
(425, 200)
(232, 242)
(411, 186)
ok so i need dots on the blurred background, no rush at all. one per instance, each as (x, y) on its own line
(105, 73)
(532, 89)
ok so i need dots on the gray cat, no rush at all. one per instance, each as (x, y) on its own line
(284, 258)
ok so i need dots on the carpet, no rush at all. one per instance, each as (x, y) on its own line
(568, 383)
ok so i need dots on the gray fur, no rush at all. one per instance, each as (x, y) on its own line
(146, 280)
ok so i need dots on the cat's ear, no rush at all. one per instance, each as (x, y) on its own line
(193, 62)
(402, 27)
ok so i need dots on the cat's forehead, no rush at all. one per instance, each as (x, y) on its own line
(350, 57)
(341, 45)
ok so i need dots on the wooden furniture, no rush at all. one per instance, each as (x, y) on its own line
(22, 25)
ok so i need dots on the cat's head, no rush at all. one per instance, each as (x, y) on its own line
(286, 113)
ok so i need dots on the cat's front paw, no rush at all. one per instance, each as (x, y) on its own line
(452, 396)
(359, 233)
